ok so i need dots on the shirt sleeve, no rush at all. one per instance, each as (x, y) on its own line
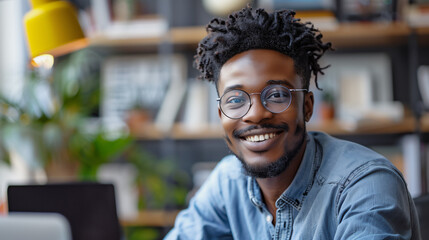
(375, 204)
(205, 217)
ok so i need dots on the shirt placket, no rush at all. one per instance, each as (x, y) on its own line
(284, 223)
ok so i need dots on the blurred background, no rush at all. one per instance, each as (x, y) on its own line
(128, 109)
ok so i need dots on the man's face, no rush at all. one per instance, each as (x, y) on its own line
(284, 133)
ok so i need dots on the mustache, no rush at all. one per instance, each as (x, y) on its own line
(238, 133)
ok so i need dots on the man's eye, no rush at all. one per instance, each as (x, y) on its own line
(235, 100)
(278, 97)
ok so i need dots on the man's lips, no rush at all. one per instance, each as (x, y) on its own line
(260, 137)
(260, 143)
(260, 133)
(259, 129)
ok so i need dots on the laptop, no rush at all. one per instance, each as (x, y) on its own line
(90, 208)
(34, 226)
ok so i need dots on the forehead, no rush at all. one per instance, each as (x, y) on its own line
(254, 68)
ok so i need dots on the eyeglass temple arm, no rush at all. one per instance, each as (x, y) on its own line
(298, 90)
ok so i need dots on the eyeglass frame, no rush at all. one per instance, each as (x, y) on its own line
(260, 93)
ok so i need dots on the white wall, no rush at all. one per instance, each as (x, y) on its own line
(12, 70)
(13, 50)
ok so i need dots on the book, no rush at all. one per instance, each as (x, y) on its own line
(166, 116)
(423, 83)
(153, 83)
(196, 115)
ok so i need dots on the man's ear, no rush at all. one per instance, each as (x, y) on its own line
(308, 105)
(219, 111)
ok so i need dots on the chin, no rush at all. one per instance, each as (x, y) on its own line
(266, 169)
(270, 166)
(260, 160)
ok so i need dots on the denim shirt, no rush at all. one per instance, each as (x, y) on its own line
(342, 190)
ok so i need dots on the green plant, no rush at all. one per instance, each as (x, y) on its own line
(54, 119)
(328, 97)
(139, 233)
(162, 185)
(54, 115)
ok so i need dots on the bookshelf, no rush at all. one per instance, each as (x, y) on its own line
(348, 36)
(354, 36)
(344, 35)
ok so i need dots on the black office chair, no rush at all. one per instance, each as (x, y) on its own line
(422, 206)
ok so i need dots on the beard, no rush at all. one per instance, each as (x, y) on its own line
(275, 168)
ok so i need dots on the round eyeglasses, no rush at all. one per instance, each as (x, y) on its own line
(275, 98)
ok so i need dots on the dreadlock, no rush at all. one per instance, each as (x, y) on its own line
(246, 29)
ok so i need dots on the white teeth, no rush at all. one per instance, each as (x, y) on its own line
(260, 138)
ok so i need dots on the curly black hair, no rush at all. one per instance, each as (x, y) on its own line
(246, 29)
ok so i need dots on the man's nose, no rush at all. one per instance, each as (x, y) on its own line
(257, 111)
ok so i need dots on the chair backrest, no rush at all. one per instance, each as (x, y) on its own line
(90, 208)
(34, 226)
(422, 207)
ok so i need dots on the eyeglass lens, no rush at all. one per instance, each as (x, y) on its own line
(236, 103)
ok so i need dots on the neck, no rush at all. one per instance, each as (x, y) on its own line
(273, 188)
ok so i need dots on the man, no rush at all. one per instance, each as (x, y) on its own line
(282, 182)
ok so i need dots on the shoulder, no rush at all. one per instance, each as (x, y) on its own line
(371, 195)
(333, 147)
(344, 160)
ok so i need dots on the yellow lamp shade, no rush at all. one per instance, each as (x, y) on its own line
(53, 28)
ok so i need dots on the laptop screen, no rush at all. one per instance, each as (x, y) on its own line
(90, 208)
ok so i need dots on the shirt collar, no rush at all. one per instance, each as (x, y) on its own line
(295, 194)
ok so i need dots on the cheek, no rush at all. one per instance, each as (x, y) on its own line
(298, 112)
(294, 115)
(228, 128)
(228, 125)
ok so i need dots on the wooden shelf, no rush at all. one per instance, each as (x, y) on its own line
(179, 131)
(422, 30)
(345, 35)
(334, 127)
(423, 35)
(152, 218)
(424, 123)
(187, 35)
(177, 36)
(406, 126)
(367, 34)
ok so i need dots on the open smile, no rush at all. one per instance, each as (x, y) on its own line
(260, 137)
(260, 140)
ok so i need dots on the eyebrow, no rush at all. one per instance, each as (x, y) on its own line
(280, 82)
(269, 82)
(233, 87)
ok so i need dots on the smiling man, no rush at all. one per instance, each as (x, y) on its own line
(283, 182)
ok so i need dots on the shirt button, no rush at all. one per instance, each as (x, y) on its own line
(269, 218)
(254, 201)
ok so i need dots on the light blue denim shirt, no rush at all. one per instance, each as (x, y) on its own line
(341, 191)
